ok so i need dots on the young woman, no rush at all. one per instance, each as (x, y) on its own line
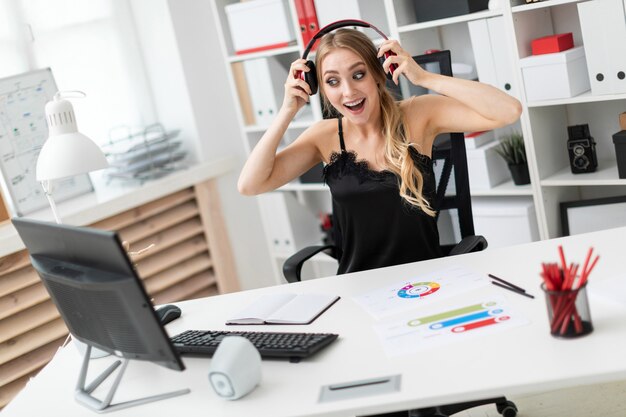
(377, 155)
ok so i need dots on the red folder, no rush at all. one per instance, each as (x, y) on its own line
(311, 18)
(303, 22)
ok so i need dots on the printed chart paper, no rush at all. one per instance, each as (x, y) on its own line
(430, 328)
(420, 290)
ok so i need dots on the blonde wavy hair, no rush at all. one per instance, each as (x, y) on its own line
(397, 146)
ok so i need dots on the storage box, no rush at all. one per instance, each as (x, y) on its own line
(551, 44)
(486, 168)
(259, 25)
(503, 221)
(553, 76)
(426, 10)
(477, 139)
(619, 140)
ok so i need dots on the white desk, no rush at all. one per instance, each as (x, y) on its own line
(518, 361)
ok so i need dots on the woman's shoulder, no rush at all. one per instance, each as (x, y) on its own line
(321, 129)
(325, 125)
(416, 103)
(417, 113)
(323, 135)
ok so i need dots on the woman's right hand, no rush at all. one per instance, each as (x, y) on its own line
(296, 90)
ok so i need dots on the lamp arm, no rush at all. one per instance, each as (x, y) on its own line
(47, 189)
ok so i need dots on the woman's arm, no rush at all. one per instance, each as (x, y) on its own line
(463, 106)
(265, 170)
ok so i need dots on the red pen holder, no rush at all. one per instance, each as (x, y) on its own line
(568, 312)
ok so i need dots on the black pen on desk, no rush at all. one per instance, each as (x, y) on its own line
(507, 283)
(515, 290)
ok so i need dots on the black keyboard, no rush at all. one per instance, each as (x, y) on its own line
(294, 346)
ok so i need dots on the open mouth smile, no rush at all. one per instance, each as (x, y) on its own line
(356, 105)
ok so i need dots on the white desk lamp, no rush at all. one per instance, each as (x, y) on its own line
(67, 152)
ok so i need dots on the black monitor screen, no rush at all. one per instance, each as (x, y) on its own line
(97, 291)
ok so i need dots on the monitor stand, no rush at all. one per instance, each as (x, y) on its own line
(83, 393)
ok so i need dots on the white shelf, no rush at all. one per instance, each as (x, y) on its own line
(541, 5)
(507, 188)
(264, 54)
(300, 124)
(449, 21)
(605, 175)
(585, 97)
(116, 197)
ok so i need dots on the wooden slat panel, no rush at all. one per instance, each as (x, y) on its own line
(178, 273)
(32, 340)
(159, 222)
(28, 319)
(168, 238)
(130, 217)
(171, 256)
(185, 290)
(207, 196)
(22, 299)
(9, 391)
(14, 262)
(29, 362)
(17, 280)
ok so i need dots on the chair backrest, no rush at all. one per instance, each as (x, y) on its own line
(450, 148)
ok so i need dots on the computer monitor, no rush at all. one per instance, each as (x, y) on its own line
(96, 289)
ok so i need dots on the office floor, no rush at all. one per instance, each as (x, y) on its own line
(605, 400)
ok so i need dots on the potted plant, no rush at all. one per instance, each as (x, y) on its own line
(512, 149)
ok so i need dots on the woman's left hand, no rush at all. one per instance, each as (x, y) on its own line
(403, 60)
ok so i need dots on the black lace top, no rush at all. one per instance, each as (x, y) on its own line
(373, 226)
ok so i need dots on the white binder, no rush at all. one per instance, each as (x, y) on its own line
(290, 225)
(492, 54)
(502, 56)
(266, 79)
(483, 54)
(603, 27)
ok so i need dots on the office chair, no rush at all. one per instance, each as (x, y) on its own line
(449, 148)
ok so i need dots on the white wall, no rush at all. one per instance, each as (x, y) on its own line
(190, 87)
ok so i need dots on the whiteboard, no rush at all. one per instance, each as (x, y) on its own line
(23, 131)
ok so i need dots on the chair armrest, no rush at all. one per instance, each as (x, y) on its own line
(293, 265)
(469, 244)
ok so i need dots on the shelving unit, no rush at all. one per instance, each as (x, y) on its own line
(543, 123)
(448, 21)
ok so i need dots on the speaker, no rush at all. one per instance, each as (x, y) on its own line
(235, 368)
(311, 77)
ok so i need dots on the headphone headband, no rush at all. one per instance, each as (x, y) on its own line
(336, 25)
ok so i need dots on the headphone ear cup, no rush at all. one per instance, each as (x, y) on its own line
(311, 77)
(389, 75)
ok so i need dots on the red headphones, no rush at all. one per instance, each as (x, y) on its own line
(311, 77)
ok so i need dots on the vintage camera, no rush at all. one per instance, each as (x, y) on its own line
(582, 149)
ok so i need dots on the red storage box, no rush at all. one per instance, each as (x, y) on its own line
(551, 44)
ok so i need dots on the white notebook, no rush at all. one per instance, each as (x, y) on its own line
(285, 308)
